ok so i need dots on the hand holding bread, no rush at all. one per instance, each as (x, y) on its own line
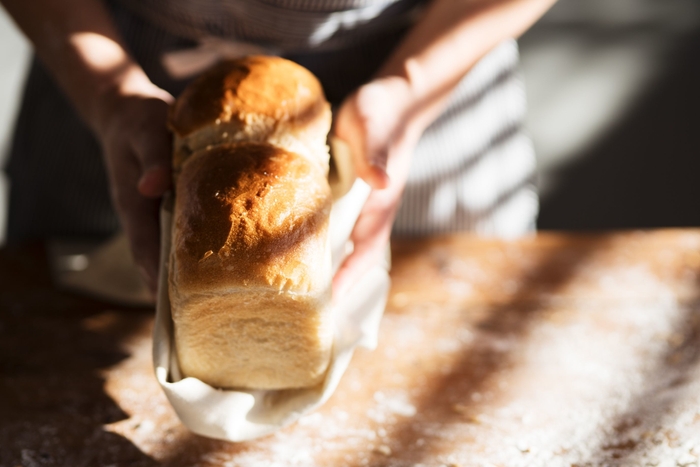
(376, 122)
(137, 147)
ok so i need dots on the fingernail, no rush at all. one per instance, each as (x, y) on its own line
(149, 185)
(380, 175)
(150, 172)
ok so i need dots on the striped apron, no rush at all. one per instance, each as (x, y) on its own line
(473, 168)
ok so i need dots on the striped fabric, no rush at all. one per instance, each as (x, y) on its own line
(473, 169)
(290, 26)
(58, 185)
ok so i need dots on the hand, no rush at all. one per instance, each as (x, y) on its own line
(137, 148)
(376, 122)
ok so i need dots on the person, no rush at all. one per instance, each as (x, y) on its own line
(426, 94)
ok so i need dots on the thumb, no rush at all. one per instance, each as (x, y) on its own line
(376, 115)
(350, 128)
(152, 147)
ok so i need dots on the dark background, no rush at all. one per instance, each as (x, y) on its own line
(614, 96)
(613, 90)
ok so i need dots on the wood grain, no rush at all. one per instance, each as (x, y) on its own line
(554, 350)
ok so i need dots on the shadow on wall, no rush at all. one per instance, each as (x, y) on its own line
(644, 172)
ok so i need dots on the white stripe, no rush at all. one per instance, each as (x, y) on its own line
(275, 24)
(473, 168)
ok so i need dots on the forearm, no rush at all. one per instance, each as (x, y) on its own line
(81, 47)
(449, 40)
(79, 44)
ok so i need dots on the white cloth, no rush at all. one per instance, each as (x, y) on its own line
(238, 415)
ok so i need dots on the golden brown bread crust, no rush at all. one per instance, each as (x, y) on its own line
(250, 214)
(255, 98)
(250, 266)
(270, 86)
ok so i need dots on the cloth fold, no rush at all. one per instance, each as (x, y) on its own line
(239, 415)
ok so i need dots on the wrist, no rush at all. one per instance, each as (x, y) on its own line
(105, 75)
(399, 100)
(113, 93)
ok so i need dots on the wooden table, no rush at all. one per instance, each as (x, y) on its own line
(559, 350)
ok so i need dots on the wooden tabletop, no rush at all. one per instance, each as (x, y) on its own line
(559, 350)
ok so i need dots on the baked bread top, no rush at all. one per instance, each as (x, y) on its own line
(250, 215)
(257, 98)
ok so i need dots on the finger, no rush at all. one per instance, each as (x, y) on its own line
(155, 182)
(364, 257)
(152, 145)
(381, 107)
(370, 237)
(377, 178)
(138, 215)
(351, 128)
(143, 231)
(372, 105)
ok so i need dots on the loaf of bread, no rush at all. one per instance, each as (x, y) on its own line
(250, 267)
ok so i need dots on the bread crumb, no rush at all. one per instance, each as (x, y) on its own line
(383, 449)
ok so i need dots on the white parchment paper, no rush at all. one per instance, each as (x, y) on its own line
(238, 415)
